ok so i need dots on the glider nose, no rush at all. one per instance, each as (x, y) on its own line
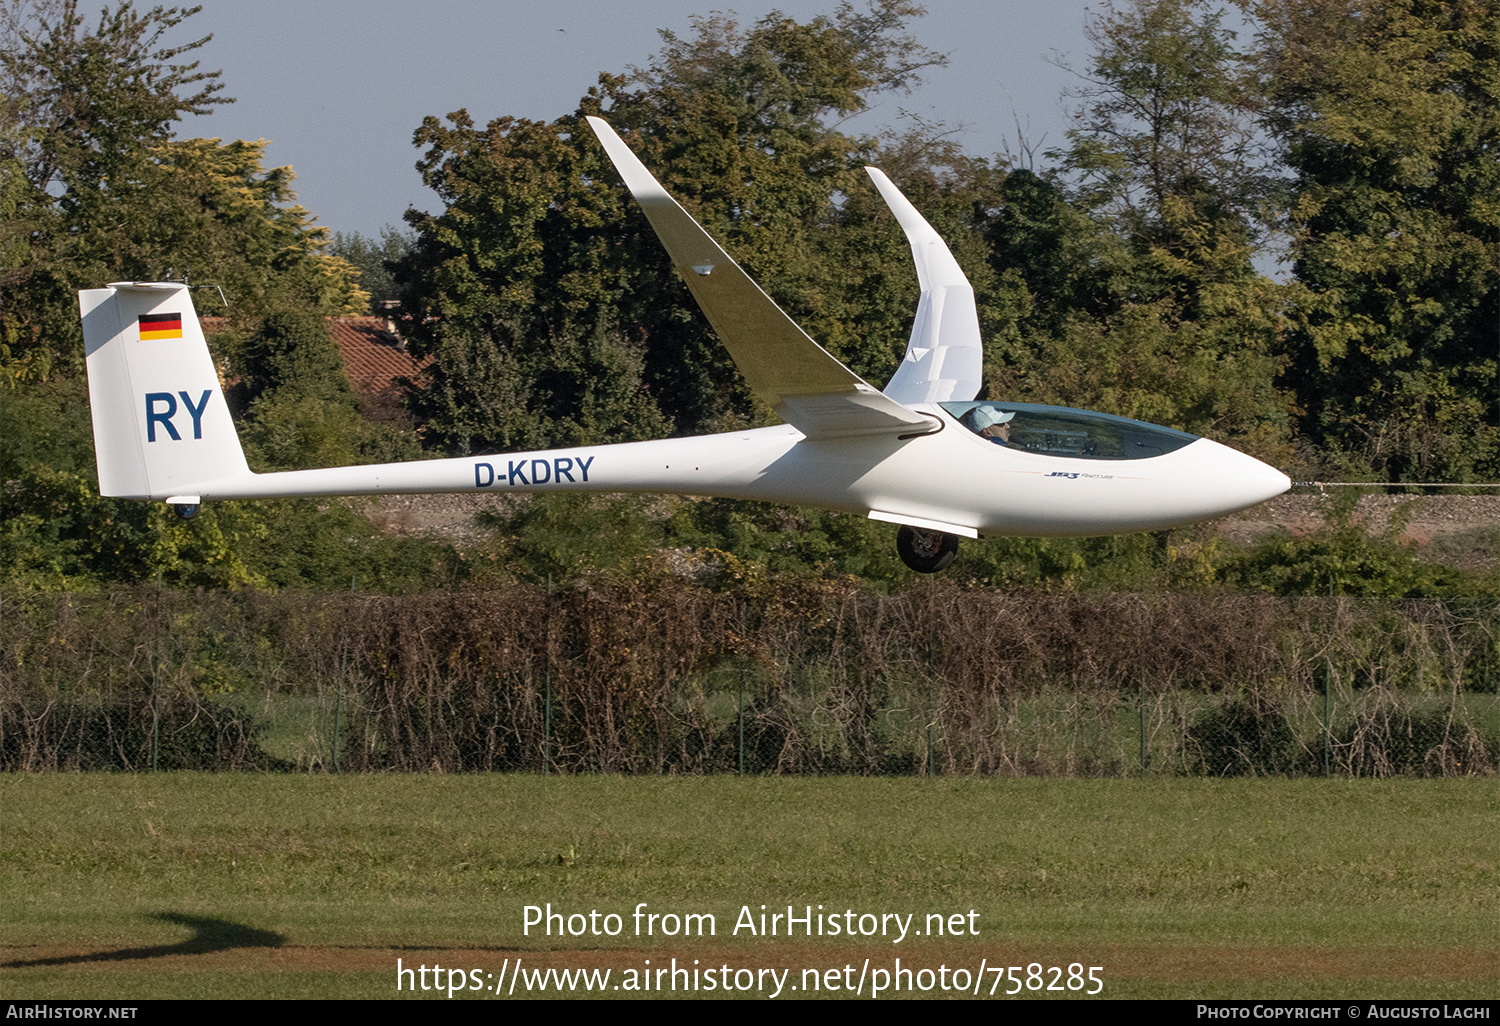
(1245, 481)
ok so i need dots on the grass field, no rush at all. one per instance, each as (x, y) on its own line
(187, 885)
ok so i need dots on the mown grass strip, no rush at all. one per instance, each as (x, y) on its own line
(95, 865)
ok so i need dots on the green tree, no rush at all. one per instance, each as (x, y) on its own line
(95, 188)
(83, 111)
(1132, 260)
(1166, 142)
(56, 531)
(301, 410)
(373, 259)
(553, 310)
(1066, 263)
(292, 351)
(1388, 112)
(220, 214)
(505, 289)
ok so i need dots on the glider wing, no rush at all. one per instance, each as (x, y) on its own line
(805, 384)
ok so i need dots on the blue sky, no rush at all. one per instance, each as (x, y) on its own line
(339, 86)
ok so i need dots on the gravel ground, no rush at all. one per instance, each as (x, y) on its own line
(449, 517)
(1442, 522)
(1429, 515)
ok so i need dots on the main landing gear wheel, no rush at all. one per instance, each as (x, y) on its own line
(926, 552)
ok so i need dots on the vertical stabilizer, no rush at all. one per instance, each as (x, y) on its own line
(161, 427)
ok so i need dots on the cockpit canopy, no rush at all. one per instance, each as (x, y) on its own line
(1060, 431)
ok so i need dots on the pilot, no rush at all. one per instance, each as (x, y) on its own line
(992, 424)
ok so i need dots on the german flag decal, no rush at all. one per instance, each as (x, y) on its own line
(159, 326)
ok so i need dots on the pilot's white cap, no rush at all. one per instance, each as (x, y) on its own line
(988, 416)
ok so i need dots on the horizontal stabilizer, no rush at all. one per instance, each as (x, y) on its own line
(805, 384)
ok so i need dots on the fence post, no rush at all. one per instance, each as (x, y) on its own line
(931, 718)
(338, 696)
(1327, 715)
(155, 671)
(547, 685)
(1143, 732)
(1328, 700)
(742, 721)
(338, 708)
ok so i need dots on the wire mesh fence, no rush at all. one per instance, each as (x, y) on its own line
(669, 678)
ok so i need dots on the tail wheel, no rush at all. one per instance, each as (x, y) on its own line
(926, 552)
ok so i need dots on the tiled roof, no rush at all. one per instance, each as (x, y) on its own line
(374, 357)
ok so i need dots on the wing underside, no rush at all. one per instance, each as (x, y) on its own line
(805, 384)
(945, 357)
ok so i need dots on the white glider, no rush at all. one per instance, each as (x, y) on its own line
(923, 453)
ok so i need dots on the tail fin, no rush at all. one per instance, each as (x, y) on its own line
(161, 427)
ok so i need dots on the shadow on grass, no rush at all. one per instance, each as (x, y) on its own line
(208, 935)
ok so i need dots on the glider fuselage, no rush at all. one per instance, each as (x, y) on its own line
(952, 478)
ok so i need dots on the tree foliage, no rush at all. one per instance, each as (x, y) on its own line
(1388, 112)
(554, 312)
(373, 259)
(95, 188)
(1165, 138)
(291, 351)
(1132, 257)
